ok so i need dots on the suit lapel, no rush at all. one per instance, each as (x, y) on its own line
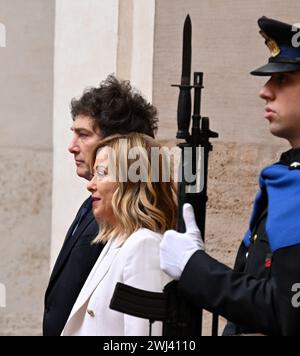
(72, 227)
(99, 271)
(70, 241)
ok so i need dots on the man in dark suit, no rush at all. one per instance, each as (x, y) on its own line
(112, 108)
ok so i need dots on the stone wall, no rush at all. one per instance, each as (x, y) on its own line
(26, 104)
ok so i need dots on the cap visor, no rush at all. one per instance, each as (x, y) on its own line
(274, 67)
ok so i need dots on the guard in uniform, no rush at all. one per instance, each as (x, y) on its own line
(259, 296)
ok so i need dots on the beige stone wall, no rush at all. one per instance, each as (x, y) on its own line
(26, 103)
(226, 47)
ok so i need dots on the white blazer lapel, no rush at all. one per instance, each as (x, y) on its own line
(98, 272)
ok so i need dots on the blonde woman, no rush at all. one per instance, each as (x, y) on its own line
(134, 207)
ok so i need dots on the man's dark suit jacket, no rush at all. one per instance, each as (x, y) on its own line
(73, 265)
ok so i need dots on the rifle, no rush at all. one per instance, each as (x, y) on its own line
(178, 316)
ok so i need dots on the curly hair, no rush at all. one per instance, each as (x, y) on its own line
(117, 108)
(142, 204)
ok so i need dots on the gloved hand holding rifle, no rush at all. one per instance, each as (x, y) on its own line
(177, 248)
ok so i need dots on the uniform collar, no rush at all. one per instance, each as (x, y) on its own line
(290, 157)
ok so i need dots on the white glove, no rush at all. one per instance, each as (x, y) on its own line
(176, 248)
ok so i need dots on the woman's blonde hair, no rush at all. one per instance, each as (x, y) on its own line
(142, 204)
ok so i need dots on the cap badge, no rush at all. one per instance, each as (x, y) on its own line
(272, 45)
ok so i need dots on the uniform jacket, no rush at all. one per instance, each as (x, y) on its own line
(73, 265)
(256, 297)
(134, 262)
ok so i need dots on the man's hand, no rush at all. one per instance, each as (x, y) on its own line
(176, 248)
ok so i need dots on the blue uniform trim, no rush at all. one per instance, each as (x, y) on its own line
(280, 192)
(290, 52)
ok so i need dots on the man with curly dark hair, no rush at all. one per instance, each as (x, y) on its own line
(112, 108)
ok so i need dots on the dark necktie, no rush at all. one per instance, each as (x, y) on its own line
(84, 211)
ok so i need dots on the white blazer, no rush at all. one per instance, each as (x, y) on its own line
(134, 262)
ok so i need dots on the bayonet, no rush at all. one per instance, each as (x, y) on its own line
(184, 100)
(186, 52)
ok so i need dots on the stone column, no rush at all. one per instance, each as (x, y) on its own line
(136, 43)
(86, 35)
